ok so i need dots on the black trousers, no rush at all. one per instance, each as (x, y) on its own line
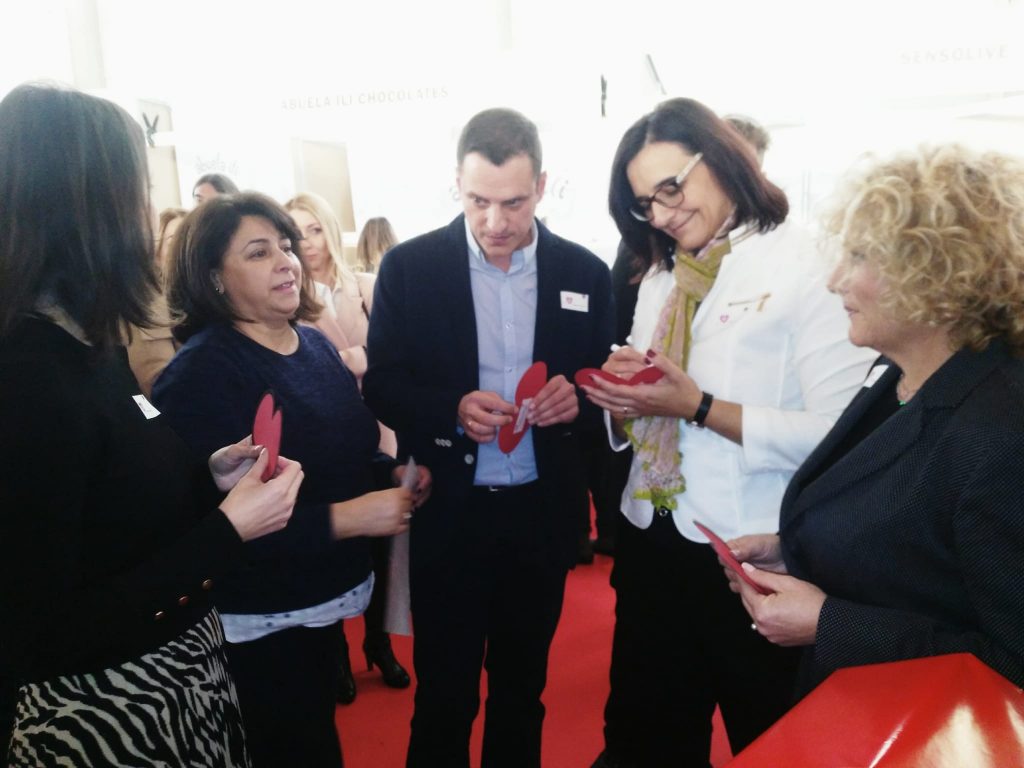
(286, 685)
(682, 644)
(493, 601)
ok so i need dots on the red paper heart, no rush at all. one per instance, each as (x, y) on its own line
(534, 379)
(722, 550)
(584, 377)
(266, 431)
(648, 375)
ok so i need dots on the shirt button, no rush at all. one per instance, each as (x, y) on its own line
(183, 601)
(158, 615)
(207, 584)
(469, 458)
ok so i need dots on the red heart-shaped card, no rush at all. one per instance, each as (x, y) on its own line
(648, 375)
(266, 431)
(722, 550)
(533, 381)
(585, 377)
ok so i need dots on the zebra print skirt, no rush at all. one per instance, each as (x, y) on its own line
(173, 707)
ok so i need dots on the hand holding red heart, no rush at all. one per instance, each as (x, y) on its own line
(481, 414)
(675, 394)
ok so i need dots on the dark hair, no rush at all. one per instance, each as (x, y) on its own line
(74, 212)
(199, 248)
(218, 181)
(727, 155)
(499, 134)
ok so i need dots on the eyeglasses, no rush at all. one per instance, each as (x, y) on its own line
(669, 195)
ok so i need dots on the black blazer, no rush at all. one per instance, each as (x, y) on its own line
(109, 535)
(917, 533)
(422, 350)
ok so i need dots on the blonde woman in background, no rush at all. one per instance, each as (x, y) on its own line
(151, 349)
(167, 225)
(347, 297)
(376, 239)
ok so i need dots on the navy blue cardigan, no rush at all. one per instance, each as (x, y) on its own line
(209, 393)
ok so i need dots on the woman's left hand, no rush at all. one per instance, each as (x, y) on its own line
(788, 616)
(424, 483)
(675, 394)
(229, 464)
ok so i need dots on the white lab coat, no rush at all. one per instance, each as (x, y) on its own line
(770, 337)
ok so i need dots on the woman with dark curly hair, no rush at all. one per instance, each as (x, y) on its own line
(902, 535)
(240, 292)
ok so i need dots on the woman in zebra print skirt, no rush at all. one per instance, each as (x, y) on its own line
(111, 538)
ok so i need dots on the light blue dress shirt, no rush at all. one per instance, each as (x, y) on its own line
(505, 304)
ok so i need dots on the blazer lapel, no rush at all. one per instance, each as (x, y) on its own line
(878, 449)
(457, 294)
(946, 388)
(548, 299)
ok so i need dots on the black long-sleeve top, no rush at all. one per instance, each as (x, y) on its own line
(209, 392)
(110, 539)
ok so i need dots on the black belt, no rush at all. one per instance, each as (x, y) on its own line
(505, 488)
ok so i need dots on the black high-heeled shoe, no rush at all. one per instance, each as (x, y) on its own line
(345, 693)
(377, 650)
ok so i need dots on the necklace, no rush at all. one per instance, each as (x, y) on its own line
(903, 397)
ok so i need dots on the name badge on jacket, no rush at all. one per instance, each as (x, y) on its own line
(577, 302)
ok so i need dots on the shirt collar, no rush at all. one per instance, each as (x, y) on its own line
(520, 258)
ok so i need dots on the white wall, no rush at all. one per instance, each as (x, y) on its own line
(394, 81)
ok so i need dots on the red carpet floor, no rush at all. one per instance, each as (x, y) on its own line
(375, 728)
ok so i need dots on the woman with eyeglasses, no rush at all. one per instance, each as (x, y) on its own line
(733, 309)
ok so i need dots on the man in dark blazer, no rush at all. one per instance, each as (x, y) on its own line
(459, 314)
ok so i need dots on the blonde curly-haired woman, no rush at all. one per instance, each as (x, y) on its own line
(902, 535)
